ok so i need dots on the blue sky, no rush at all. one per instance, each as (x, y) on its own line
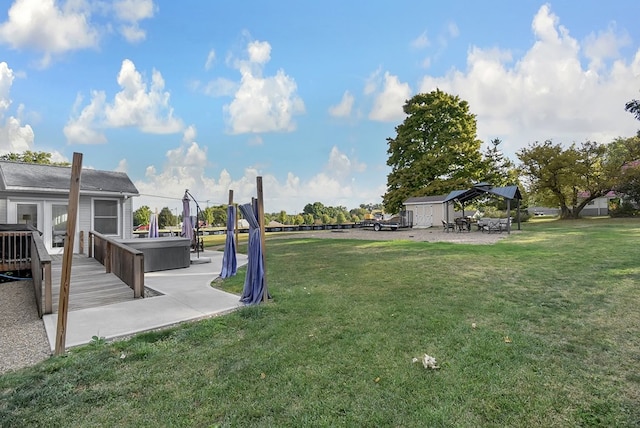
(206, 96)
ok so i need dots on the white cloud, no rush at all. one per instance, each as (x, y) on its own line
(211, 57)
(136, 105)
(131, 12)
(6, 81)
(54, 28)
(189, 134)
(259, 52)
(373, 82)
(344, 107)
(547, 93)
(43, 26)
(262, 104)
(388, 103)
(81, 128)
(186, 166)
(14, 137)
(421, 42)
(452, 29)
(340, 166)
(133, 33)
(220, 87)
(603, 46)
(123, 166)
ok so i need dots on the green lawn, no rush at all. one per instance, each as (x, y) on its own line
(556, 310)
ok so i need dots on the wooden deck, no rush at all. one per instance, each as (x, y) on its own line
(90, 286)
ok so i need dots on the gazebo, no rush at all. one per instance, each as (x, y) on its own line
(509, 193)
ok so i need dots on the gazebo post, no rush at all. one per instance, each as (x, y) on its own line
(509, 216)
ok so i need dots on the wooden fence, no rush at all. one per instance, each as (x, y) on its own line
(25, 250)
(125, 262)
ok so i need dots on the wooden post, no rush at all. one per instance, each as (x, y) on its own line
(265, 296)
(67, 258)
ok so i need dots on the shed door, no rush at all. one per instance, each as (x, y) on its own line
(424, 216)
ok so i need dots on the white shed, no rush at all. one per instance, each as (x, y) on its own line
(428, 210)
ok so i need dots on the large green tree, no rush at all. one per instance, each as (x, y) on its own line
(435, 151)
(32, 157)
(165, 218)
(626, 151)
(142, 215)
(571, 178)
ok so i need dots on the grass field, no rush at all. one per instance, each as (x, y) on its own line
(540, 329)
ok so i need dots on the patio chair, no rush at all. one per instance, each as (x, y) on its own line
(448, 226)
(462, 224)
(494, 225)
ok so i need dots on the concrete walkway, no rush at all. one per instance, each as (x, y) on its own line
(187, 295)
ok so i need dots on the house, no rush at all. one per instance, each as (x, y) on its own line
(39, 195)
(597, 207)
(428, 210)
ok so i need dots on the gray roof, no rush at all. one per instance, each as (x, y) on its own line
(424, 199)
(462, 196)
(26, 177)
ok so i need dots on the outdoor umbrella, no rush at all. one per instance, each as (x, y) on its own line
(153, 226)
(187, 227)
(254, 281)
(229, 262)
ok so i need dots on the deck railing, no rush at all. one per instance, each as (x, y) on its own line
(125, 262)
(25, 250)
(41, 274)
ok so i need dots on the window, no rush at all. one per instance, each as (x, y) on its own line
(105, 216)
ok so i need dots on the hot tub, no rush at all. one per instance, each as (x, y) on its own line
(162, 253)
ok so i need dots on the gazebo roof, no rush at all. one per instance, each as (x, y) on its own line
(462, 196)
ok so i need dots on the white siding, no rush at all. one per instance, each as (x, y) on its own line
(3, 211)
(127, 221)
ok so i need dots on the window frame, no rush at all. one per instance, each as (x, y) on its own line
(117, 218)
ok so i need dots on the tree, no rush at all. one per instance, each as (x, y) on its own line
(282, 217)
(216, 215)
(501, 171)
(165, 218)
(142, 215)
(633, 107)
(627, 153)
(572, 178)
(32, 157)
(317, 209)
(435, 150)
(308, 218)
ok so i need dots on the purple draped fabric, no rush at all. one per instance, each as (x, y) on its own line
(187, 227)
(229, 261)
(153, 226)
(254, 281)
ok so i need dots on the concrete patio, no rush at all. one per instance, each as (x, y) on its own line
(185, 295)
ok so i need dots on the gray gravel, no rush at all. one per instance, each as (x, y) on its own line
(23, 338)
